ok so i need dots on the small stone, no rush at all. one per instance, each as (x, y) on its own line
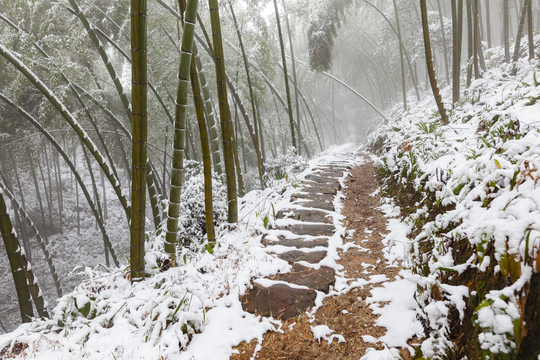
(280, 301)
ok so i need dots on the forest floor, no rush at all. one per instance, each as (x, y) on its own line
(354, 315)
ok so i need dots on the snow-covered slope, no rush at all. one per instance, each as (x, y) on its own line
(471, 196)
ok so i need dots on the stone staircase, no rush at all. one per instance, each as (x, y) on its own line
(300, 237)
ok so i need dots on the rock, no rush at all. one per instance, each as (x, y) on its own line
(280, 301)
(310, 229)
(298, 243)
(293, 256)
(317, 279)
(304, 215)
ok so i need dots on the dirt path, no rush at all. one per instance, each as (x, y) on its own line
(347, 314)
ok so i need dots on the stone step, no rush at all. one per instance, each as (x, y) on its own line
(280, 301)
(316, 204)
(333, 168)
(334, 185)
(329, 198)
(322, 179)
(320, 189)
(297, 243)
(293, 256)
(317, 279)
(309, 229)
(304, 215)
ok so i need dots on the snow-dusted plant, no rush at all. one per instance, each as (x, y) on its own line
(283, 166)
(192, 228)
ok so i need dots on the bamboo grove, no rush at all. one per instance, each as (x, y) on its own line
(210, 89)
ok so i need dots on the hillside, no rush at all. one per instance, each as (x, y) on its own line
(469, 194)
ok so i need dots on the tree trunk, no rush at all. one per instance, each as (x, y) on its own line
(205, 149)
(96, 200)
(429, 63)
(58, 179)
(488, 24)
(210, 116)
(477, 41)
(530, 30)
(173, 213)
(403, 83)
(295, 80)
(41, 242)
(15, 260)
(287, 89)
(38, 195)
(519, 35)
(457, 27)
(225, 113)
(506, 31)
(48, 196)
(444, 42)
(236, 156)
(470, 41)
(260, 163)
(77, 204)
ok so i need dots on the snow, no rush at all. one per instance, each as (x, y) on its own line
(399, 315)
(385, 354)
(325, 333)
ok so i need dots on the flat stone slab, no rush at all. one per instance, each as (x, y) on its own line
(297, 243)
(293, 256)
(304, 215)
(317, 279)
(320, 189)
(309, 229)
(320, 179)
(280, 301)
(313, 196)
(334, 166)
(335, 185)
(317, 204)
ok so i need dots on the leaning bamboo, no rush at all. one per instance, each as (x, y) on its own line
(66, 114)
(57, 146)
(15, 260)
